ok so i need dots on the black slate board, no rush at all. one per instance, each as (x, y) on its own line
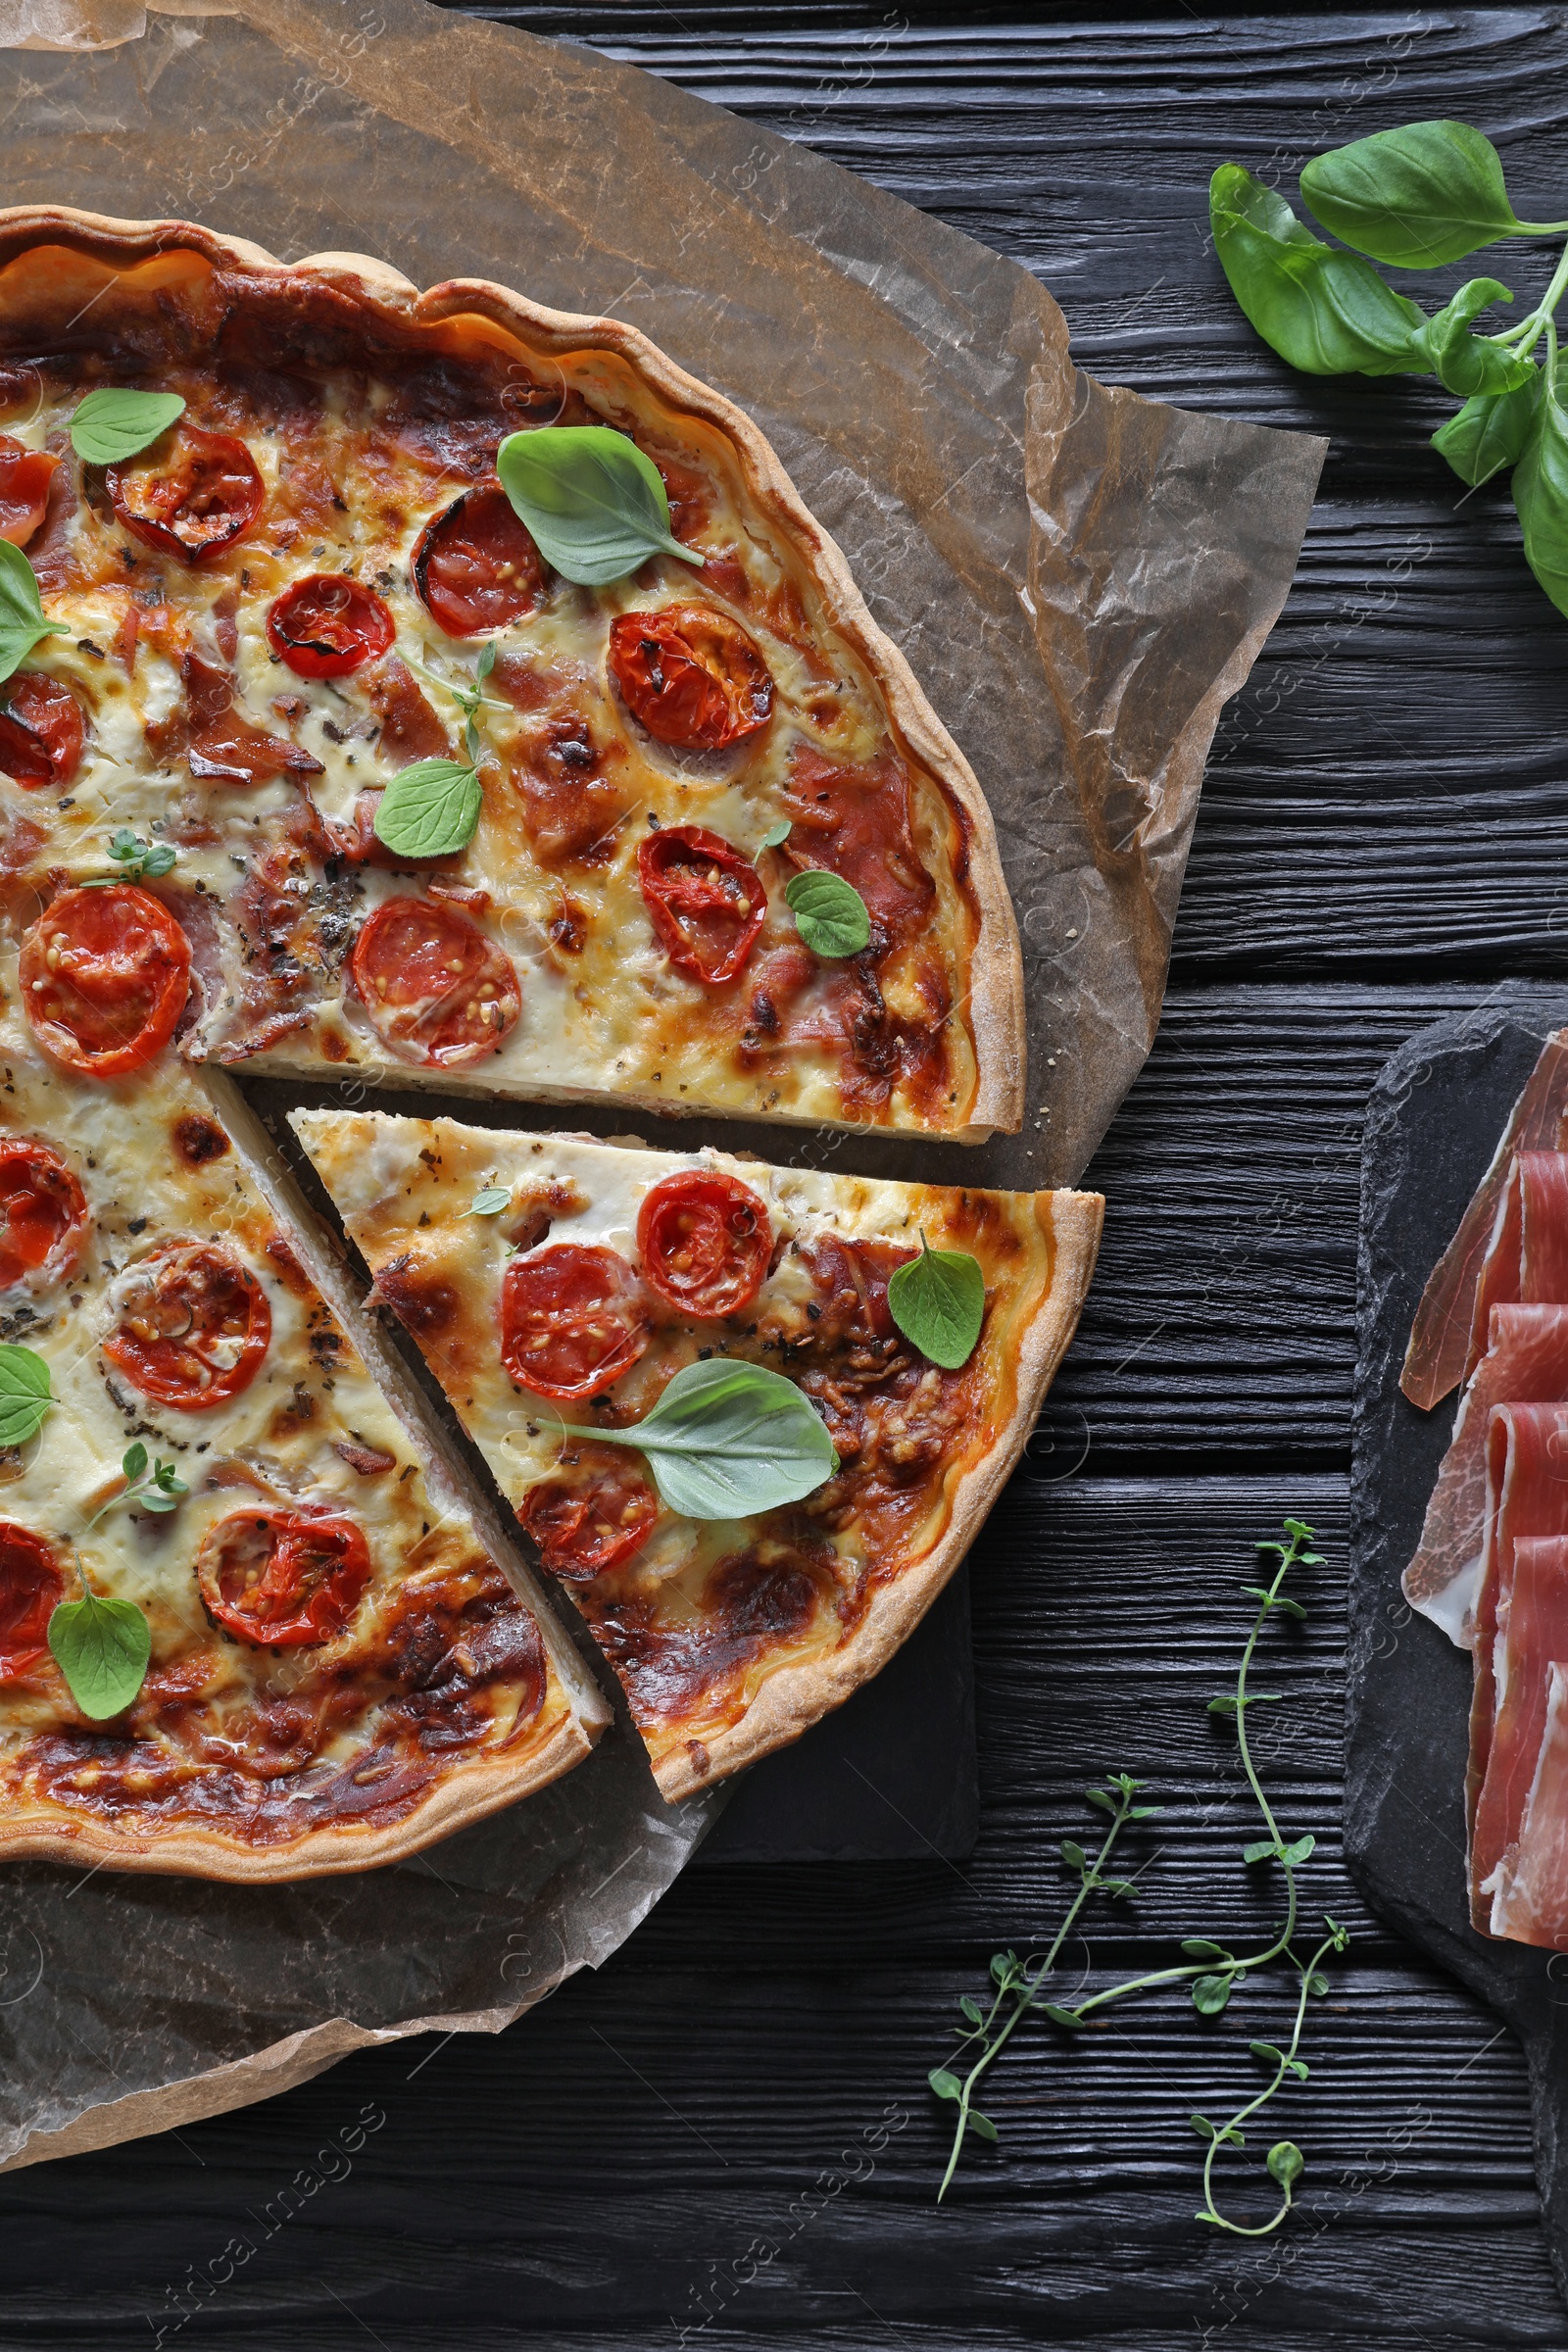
(1433, 1123)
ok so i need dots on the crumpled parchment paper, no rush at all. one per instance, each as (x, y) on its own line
(1078, 577)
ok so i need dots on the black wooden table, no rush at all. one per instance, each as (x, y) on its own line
(1382, 836)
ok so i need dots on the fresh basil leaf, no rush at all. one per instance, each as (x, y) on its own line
(1326, 311)
(727, 1439)
(1467, 363)
(1490, 432)
(489, 1202)
(113, 423)
(25, 1394)
(1540, 494)
(1416, 197)
(22, 621)
(102, 1649)
(595, 504)
(938, 1301)
(776, 835)
(431, 808)
(829, 912)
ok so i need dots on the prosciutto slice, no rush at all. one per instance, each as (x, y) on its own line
(1527, 1496)
(1529, 1904)
(1531, 1627)
(1440, 1338)
(1527, 1256)
(1526, 1363)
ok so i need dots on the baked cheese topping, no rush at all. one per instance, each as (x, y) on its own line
(695, 1616)
(585, 936)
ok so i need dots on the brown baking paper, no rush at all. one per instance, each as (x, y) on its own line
(1078, 577)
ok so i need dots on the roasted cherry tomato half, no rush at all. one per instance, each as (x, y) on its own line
(705, 903)
(31, 1587)
(280, 1580)
(704, 1240)
(43, 1215)
(191, 495)
(476, 565)
(193, 1325)
(435, 988)
(583, 1530)
(104, 976)
(25, 478)
(42, 731)
(690, 675)
(572, 1319)
(327, 624)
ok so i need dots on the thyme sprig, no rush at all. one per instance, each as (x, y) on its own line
(1211, 1970)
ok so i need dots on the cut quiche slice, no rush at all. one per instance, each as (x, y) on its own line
(348, 1659)
(560, 1289)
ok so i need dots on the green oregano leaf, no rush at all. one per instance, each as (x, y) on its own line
(1071, 1853)
(1210, 1994)
(728, 1439)
(1198, 1947)
(102, 1649)
(1301, 1850)
(1263, 1849)
(489, 1202)
(25, 1394)
(1285, 2163)
(829, 914)
(595, 504)
(1059, 2016)
(981, 2123)
(431, 810)
(22, 621)
(776, 835)
(946, 2085)
(971, 2009)
(113, 423)
(938, 1301)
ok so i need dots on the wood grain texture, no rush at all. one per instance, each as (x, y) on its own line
(1382, 837)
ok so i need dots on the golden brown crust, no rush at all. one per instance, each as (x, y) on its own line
(472, 1790)
(996, 997)
(795, 1697)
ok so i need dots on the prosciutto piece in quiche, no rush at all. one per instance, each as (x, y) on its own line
(567, 1294)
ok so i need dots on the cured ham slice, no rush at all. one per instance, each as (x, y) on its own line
(1440, 1338)
(1526, 1363)
(1530, 1901)
(1531, 1627)
(1527, 1257)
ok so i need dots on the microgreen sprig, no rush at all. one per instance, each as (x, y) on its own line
(1211, 1971)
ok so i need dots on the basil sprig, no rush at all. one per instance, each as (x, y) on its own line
(829, 912)
(595, 506)
(22, 621)
(1423, 195)
(729, 1439)
(25, 1394)
(433, 808)
(938, 1301)
(113, 423)
(102, 1646)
